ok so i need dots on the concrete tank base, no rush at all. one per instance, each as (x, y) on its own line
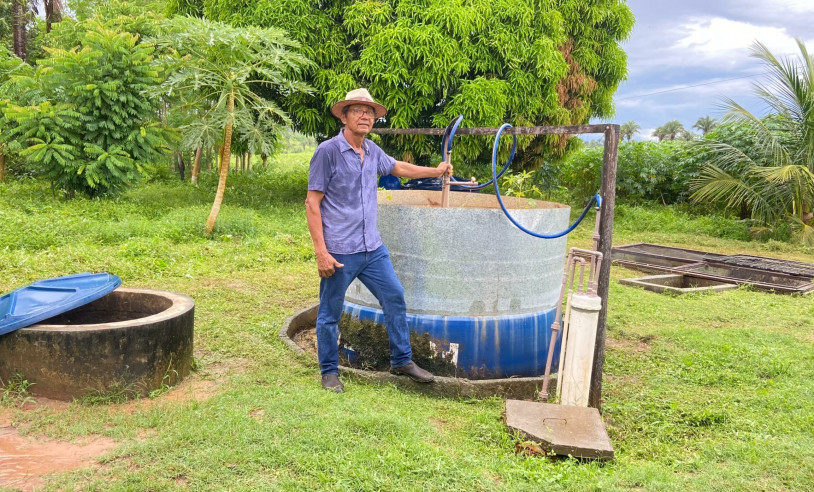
(483, 347)
(132, 340)
(522, 388)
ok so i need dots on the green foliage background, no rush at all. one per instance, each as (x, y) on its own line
(86, 117)
(647, 171)
(493, 61)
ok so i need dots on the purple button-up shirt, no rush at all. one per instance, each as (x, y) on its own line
(349, 206)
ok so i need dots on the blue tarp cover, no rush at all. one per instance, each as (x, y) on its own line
(50, 297)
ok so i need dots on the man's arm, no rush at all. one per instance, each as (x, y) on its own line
(406, 170)
(326, 263)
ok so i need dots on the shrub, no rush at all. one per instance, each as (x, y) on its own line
(647, 171)
(88, 121)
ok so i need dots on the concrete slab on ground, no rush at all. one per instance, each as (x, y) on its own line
(563, 429)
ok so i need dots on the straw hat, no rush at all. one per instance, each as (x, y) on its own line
(358, 96)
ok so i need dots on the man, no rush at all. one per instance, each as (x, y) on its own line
(341, 211)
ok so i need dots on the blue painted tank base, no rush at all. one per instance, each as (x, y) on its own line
(489, 347)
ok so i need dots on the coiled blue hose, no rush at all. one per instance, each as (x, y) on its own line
(595, 199)
(449, 133)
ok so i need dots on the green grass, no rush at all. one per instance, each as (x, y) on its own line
(700, 391)
(14, 391)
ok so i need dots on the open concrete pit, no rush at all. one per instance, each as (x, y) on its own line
(677, 284)
(130, 341)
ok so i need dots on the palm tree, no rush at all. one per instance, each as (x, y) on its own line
(628, 129)
(659, 133)
(224, 71)
(705, 124)
(687, 135)
(672, 129)
(775, 182)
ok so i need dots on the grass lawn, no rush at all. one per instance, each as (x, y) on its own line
(701, 392)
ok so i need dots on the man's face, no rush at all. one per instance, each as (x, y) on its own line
(359, 118)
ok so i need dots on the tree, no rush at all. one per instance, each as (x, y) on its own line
(87, 117)
(687, 135)
(647, 171)
(672, 129)
(52, 10)
(493, 61)
(6, 34)
(669, 130)
(223, 72)
(629, 129)
(20, 28)
(19, 14)
(772, 177)
(705, 124)
(10, 66)
(659, 133)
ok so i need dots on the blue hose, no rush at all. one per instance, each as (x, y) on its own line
(595, 199)
(449, 133)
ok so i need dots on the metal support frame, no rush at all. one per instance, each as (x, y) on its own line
(608, 192)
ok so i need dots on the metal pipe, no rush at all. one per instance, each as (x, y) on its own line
(581, 276)
(574, 270)
(555, 328)
(565, 325)
(445, 178)
(594, 287)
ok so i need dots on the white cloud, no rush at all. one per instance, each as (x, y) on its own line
(646, 135)
(690, 90)
(786, 7)
(720, 41)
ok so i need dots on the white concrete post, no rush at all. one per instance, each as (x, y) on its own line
(579, 349)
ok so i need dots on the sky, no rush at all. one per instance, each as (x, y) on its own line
(683, 57)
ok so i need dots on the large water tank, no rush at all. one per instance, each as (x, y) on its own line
(471, 278)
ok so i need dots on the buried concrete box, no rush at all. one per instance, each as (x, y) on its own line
(677, 284)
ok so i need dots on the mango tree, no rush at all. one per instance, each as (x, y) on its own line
(518, 61)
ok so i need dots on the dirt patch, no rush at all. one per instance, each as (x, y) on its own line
(628, 345)
(198, 386)
(236, 285)
(25, 462)
(257, 414)
(188, 390)
(307, 340)
(7, 413)
(439, 424)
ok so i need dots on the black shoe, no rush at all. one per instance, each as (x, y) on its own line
(331, 382)
(414, 372)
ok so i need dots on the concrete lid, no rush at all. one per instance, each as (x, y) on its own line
(586, 302)
(564, 429)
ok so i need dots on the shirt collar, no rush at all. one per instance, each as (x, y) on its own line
(343, 142)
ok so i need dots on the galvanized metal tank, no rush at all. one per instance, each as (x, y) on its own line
(471, 278)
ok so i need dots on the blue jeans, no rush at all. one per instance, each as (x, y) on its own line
(376, 272)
